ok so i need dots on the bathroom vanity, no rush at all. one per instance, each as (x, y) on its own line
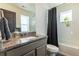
(25, 46)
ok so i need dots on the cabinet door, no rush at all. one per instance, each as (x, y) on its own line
(32, 53)
(41, 51)
(2, 54)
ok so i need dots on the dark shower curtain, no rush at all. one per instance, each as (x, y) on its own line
(52, 27)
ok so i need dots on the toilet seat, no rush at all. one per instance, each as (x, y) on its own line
(52, 48)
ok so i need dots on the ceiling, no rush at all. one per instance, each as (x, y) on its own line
(31, 6)
(51, 5)
(26, 6)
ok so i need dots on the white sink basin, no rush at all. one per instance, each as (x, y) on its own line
(27, 39)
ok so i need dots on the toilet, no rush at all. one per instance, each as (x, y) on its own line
(52, 50)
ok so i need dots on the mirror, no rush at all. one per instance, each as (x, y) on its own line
(25, 20)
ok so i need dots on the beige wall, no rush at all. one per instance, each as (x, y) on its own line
(16, 9)
(41, 19)
(69, 35)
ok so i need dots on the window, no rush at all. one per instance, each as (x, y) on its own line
(66, 15)
(24, 23)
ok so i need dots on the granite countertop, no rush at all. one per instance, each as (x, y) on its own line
(20, 41)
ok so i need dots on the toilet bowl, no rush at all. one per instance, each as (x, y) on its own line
(52, 50)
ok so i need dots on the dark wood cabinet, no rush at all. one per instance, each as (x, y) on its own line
(2, 53)
(36, 48)
(11, 17)
(41, 51)
(31, 53)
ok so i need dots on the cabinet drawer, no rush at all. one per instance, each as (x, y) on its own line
(41, 51)
(31, 53)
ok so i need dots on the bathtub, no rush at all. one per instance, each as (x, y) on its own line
(68, 50)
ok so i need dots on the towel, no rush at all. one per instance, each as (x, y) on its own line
(6, 29)
(2, 28)
(6, 34)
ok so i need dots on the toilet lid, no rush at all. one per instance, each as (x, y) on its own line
(52, 48)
